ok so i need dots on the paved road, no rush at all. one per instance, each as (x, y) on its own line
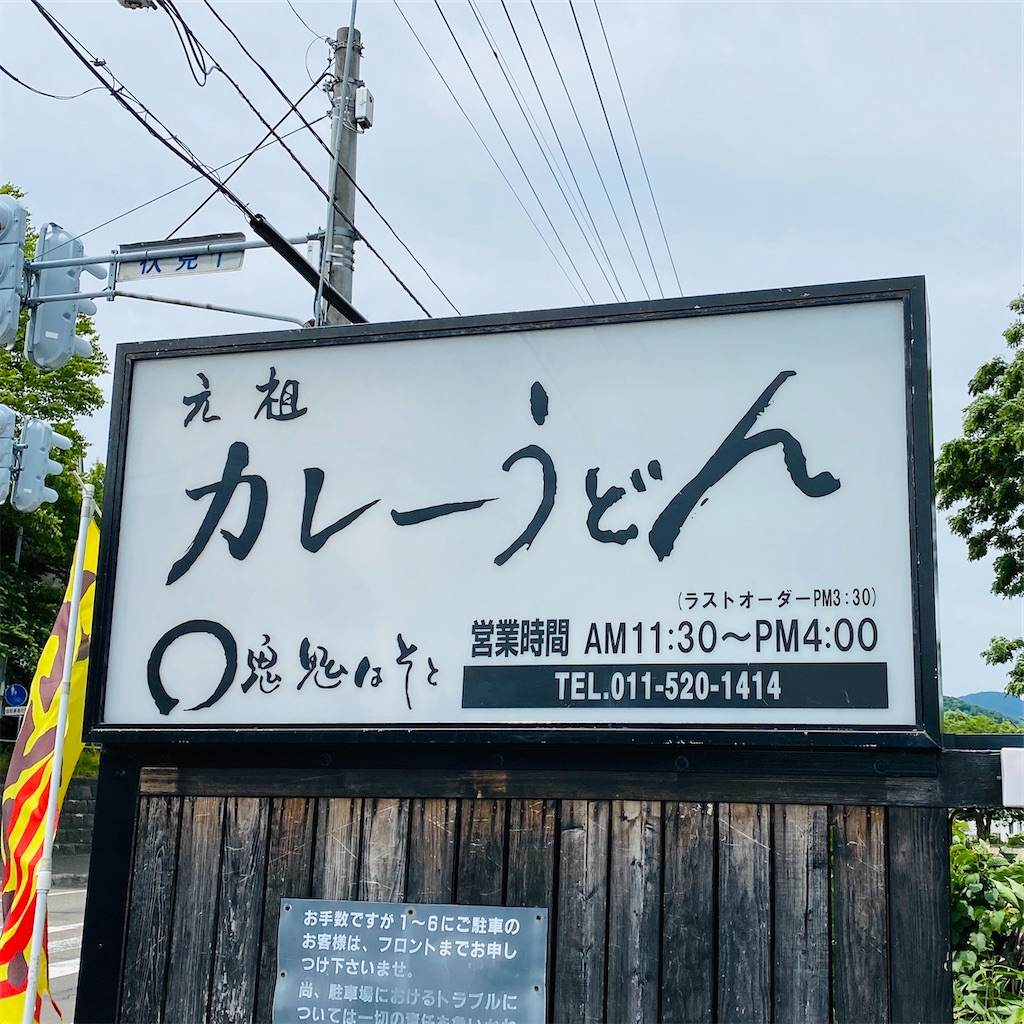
(66, 909)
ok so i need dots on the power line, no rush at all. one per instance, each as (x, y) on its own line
(193, 52)
(304, 22)
(48, 95)
(487, 149)
(561, 146)
(534, 126)
(120, 92)
(185, 184)
(639, 152)
(590, 150)
(256, 221)
(270, 78)
(259, 145)
(515, 156)
(615, 146)
(305, 170)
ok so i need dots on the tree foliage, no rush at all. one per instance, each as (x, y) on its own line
(44, 540)
(981, 475)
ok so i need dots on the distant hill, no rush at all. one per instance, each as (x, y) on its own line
(959, 704)
(994, 700)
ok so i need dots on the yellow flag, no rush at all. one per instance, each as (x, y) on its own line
(27, 790)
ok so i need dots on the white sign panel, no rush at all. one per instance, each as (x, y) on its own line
(701, 521)
(154, 262)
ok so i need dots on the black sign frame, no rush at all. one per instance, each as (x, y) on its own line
(924, 734)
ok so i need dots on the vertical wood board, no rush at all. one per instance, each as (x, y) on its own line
(243, 881)
(385, 847)
(634, 912)
(339, 831)
(290, 841)
(150, 910)
(688, 914)
(744, 913)
(433, 837)
(195, 908)
(580, 943)
(802, 976)
(860, 931)
(922, 982)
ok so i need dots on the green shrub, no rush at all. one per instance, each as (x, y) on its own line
(986, 932)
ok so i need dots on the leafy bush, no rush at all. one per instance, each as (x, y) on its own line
(986, 932)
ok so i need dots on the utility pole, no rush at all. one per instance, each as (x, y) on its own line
(340, 236)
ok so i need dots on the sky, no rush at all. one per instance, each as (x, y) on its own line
(786, 144)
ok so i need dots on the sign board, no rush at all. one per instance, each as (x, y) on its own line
(709, 514)
(153, 265)
(14, 712)
(346, 960)
(15, 695)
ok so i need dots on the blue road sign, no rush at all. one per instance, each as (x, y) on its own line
(15, 695)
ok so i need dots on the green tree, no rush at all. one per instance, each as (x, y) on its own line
(982, 475)
(36, 549)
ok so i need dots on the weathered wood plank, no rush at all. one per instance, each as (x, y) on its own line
(860, 934)
(480, 872)
(531, 873)
(922, 984)
(582, 913)
(744, 912)
(532, 832)
(385, 850)
(339, 828)
(961, 778)
(433, 837)
(195, 908)
(634, 912)
(242, 879)
(150, 910)
(800, 855)
(289, 858)
(688, 930)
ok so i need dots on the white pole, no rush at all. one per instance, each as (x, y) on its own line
(45, 872)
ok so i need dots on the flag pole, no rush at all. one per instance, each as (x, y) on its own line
(44, 874)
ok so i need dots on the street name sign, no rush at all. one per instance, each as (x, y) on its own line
(153, 262)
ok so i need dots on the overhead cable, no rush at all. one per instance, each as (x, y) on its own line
(565, 155)
(534, 126)
(326, 39)
(590, 150)
(270, 78)
(515, 155)
(48, 95)
(252, 152)
(639, 152)
(487, 149)
(191, 181)
(305, 170)
(193, 52)
(256, 221)
(615, 146)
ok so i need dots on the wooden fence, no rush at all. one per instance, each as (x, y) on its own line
(663, 906)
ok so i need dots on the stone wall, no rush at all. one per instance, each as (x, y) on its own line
(74, 829)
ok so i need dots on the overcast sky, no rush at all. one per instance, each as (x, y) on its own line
(787, 144)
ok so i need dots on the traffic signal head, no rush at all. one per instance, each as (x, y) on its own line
(13, 225)
(37, 438)
(50, 341)
(6, 451)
